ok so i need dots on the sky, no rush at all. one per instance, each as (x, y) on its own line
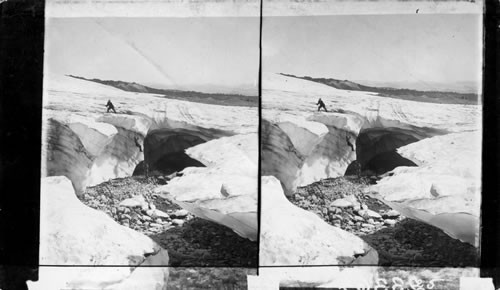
(382, 48)
(185, 53)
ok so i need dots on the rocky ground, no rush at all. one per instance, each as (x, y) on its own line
(194, 245)
(399, 241)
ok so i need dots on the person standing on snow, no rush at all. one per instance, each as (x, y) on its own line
(110, 106)
(321, 105)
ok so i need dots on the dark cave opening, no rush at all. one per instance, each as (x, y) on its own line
(385, 162)
(376, 151)
(168, 164)
(164, 151)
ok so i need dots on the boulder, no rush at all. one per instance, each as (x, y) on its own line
(177, 222)
(180, 213)
(368, 213)
(159, 213)
(392, 214)
(390, 222)
(341, 202)
(368, 226)
(136, 201)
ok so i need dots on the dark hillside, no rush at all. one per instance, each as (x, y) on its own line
(406, 94)
(191, 96)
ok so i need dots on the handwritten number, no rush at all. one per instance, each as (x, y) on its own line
(416, 284)
(397, 283)
(430, 285)
(381, 281)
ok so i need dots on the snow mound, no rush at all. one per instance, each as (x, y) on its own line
(444, 190)
(74, 234)
(293, 236)
(226, 190)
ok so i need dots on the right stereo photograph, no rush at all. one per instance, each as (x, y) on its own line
(371, 149)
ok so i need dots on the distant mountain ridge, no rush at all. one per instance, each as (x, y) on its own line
(464, 87)
(408, 94)
(192, 96)
(241, 89)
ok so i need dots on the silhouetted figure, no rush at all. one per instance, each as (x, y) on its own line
(321, 105)
(110, 106)
(137, 143)
(349, 142)
(417, 11)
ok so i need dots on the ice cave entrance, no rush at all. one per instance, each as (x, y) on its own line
(376, 150)
(164, 151)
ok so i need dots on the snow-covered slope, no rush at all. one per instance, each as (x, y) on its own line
(301, 145)
(298, 97)
(87, 145)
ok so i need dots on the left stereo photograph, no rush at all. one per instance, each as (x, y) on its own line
(149, 153)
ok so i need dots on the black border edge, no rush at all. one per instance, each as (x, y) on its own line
(490, 205)
(21, 79)
(259, 177)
